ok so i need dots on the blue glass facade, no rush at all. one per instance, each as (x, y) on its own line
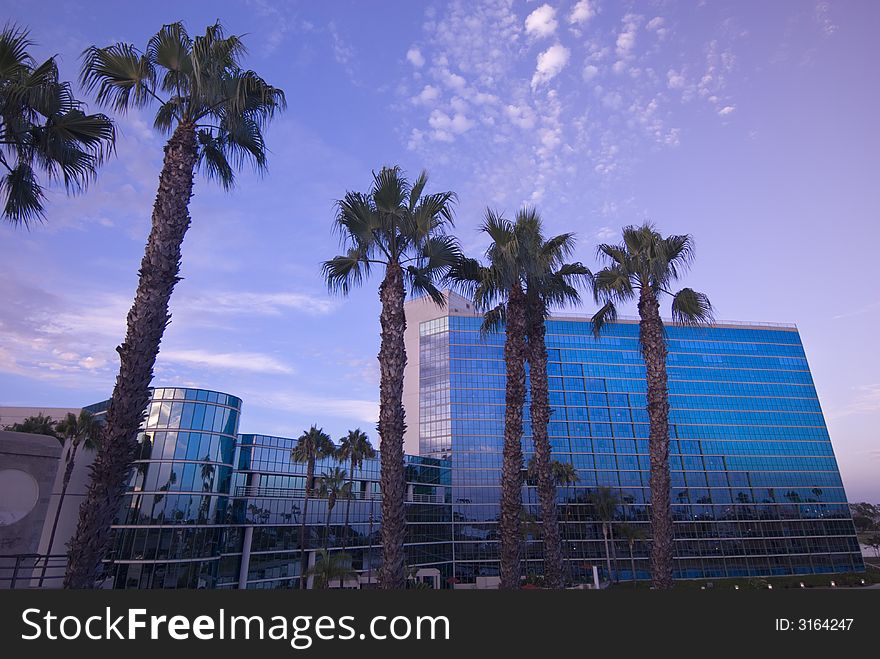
(755, 484)
(756, 488)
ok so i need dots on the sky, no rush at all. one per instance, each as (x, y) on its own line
(750, 125)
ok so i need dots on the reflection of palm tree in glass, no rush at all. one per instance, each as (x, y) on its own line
(333, 485)
(313, 444)
(563, 474)
(207, 473)
(172, 479)
(605, 502)
(330, 567)
(631, 534)
(354, 448)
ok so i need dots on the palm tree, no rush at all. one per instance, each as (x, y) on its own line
(395, 227)
(311, 446)
(79, 431)
(549, 281)
(39, 424)
(330, 567)
(632, 534)
(215, 112)
(562, 474)
(605, 502)
(497, 290)
(333, 485)
(354, 448)
(42, 127)
(642, 268)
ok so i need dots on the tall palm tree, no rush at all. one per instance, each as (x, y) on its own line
(330, 567)
(605, 502)
(354, 448)
(497, 290)
(397, 227)
(42, 127)
(333, 485)
(215, 112)
(643, 267)
(311, 446)
(79, 431)
(549, 281)
(632, 534)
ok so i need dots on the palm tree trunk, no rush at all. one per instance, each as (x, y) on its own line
(615, 577)
(653, 342)
(632, 561)
(303, 554)
(392, 361)
(607, 552)
(147, 319)
(68, 472)
(512, 456)
(348, 507)
(540, 413)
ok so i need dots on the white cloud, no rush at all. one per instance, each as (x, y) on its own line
(446, 127)
(626, 39)
(521, 115)
(605, 234)
(658, 26)
(253, 362)
(590, 72)
(452, 80)
(365, 411)
(726, 110)
(414, 56)
(582, 12)
(427, 96)
(541, 22)
(248, 303)
(674, 79)
(550, 63)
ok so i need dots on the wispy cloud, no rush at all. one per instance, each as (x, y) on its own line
(253, 362)
(251, 302)
(865, 400)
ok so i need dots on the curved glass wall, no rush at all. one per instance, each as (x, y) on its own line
(172, 522)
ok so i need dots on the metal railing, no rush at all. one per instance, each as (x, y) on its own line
(254, 492)
(32, 570)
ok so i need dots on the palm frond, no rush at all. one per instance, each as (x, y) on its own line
(170, 49)
(493, 320)
(612, 283)
(118, 75)
(606, 314)
(421, 282)
(24, 195)
(692, 308)
(213, 160)
(344, 272)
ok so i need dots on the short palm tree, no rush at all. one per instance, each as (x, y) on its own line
(632, 534)
(332, 485)
(215, 112)
(605, 503)
(563, 474)
(497, 290)
(311, 446)
(38, 424)
(42, 127)
(331, 567)
(353, 449)
(549, 282)
(79, 431)
(402, 230)
(642, 268)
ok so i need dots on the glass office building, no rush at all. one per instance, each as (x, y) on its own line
(756, 487)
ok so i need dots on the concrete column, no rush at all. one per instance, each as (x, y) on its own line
(245, 557)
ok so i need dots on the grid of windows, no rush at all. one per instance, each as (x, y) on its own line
(756, 488)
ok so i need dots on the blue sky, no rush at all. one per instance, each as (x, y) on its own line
(751, 125)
